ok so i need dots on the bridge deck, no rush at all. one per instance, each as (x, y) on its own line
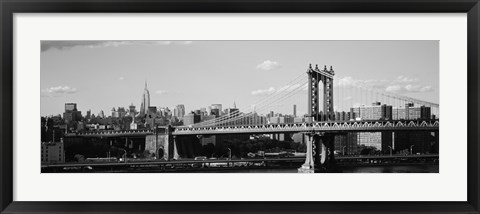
(348, 126)
(330, 126)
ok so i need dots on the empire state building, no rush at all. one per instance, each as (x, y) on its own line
(145, 101)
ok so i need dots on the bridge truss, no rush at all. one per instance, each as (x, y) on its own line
(346, 126)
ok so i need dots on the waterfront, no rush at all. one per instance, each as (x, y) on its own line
(356, 169)
(361, 164)
(402, 168)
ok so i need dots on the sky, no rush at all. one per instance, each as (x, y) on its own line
(100, 75)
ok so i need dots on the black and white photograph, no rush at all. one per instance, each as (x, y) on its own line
(239, 106)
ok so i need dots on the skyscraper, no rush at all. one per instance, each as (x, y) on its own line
(71, 113)
(131, 110)
(179, 111)
(89, 114)
(70, 107)
(217, 106)
(191, 119)
(101, 114)
(145, 101)
(209, 110)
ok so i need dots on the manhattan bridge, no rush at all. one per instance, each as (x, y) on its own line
(322, 123)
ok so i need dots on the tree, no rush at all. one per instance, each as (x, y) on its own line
(79, 158)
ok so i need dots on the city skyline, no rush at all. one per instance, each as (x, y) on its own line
(99, 75)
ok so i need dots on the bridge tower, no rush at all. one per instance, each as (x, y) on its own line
(315, 76)
(320, 146)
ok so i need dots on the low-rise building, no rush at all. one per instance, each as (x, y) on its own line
(52, 152)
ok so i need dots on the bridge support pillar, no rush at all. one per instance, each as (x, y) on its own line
(308, 166)
(175, 151)
(320, 156)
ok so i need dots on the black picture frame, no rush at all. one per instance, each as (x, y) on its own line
(9, 7)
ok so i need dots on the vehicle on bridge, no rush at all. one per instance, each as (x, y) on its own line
(201, 158)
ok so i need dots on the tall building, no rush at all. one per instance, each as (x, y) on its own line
(191, 119)
(179, 111)
(70, 107)
(152, 112)
(374, 112)
(294, 110)
(131, 109)
(233, 111)
(89, 114)
(197, 111)
(166, 112)
(215, 112)
(217, 106)
(114, 113)
(121, 112)
(71, 113)
(342, 116)
(410, 112)
(162, 112)
(271, 114)
(145, 101)
(101, 114)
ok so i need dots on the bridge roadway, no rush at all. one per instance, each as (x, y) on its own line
(225, 161)
(327, 126)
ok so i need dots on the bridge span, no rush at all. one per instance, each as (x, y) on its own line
(325, 126)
